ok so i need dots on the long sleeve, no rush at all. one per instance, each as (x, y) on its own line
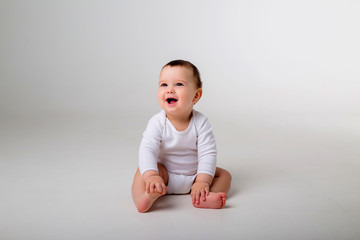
(150, 145)
(206, 148)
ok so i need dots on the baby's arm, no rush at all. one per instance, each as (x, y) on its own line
(201, 187)
(148, 153)
(207, 160)
(154, 183)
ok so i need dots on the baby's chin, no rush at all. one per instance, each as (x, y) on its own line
(176, 113)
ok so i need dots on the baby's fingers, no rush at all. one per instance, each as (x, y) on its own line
(193, 196)
(203, 194)
(207, 191)
(160, 188)
(197, 197)
(147, 187)
(164, 189)
(152, 187)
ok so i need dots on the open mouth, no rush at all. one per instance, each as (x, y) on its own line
(171, 100)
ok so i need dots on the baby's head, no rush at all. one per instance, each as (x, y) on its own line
(179, 88)
(190, 66)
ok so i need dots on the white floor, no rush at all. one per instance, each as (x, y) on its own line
(297, 178)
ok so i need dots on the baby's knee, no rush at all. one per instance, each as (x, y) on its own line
(227, 174)
(224, 174)
(163, 173)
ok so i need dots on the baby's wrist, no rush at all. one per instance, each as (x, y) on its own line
(201, 182)
(150, 173)
(154, 178)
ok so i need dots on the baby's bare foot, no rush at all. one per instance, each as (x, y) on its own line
(214, 200)
(147, 201)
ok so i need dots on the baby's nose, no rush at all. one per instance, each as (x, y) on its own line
(170, 90)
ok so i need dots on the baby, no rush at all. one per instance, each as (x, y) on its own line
(177, 154)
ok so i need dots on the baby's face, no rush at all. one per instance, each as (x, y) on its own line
(177, 91)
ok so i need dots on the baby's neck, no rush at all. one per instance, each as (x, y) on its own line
(180, 123)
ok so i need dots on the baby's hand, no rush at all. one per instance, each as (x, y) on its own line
(155, 184)
(199, 190)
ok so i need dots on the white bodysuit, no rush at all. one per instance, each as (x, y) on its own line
(183, 153)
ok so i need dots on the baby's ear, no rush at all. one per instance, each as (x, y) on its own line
(198, 95)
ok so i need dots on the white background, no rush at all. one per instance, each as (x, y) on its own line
(78, 82)
(104, 57)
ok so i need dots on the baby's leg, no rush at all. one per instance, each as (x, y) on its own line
(144, 200)
(218, 190)
(221, 181)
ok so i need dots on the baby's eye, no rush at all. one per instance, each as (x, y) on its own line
(163, 85)
(179, 84)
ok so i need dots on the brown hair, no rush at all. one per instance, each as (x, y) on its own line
(187, 64)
